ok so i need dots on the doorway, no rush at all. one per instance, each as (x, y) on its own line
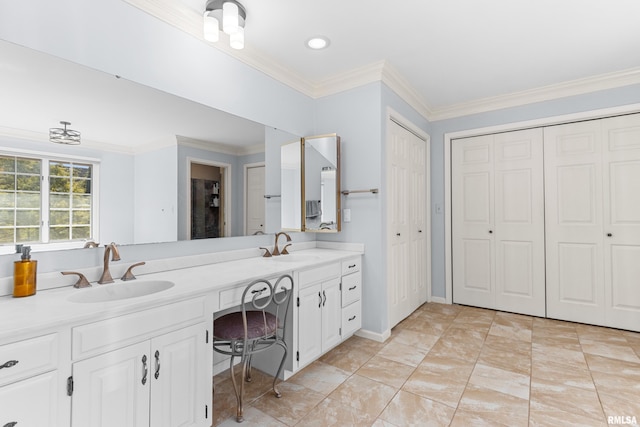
(209, 200)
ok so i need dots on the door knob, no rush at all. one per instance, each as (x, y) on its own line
(490, 231)
(609, 235)
(397, 234)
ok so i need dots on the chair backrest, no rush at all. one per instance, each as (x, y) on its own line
(264, 296)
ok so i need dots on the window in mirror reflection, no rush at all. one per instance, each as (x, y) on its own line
(45, 200)
(321, 183)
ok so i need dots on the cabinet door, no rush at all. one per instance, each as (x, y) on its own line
(309, 324)
(331, 314)
(180, 378)
(113, 389)
(30, 402)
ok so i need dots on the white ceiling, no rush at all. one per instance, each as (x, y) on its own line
(444, 55)
(449, 52)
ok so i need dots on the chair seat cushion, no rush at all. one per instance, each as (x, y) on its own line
(230, 326)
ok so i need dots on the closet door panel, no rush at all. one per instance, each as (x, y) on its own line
(519, 222)
(574, 221)
(472, 219)
(621, 159)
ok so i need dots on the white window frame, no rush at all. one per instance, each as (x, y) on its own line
(44, 191)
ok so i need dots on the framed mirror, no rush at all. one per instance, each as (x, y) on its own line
(321, 190)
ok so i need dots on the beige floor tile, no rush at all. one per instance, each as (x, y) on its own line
(333, 413)
(501, 380)
(454, 369)
(613, 366)
(386, 371)
(364, 395)
(402, 353)
(382, 423)
(252, 418)
(435, 386)
(614, 406)
(566, 342)
(492, 405)
(494, 350)
(512, 326)
(346, 358)
(320, 377)
(571, 399)
(550, 354)
(624, 387)
(415, 339)
(362, 344)
(464, 418)
(541, 415)
(295, 403)
(407, 409)
(613, 351)
(563, 374)
(454, 345)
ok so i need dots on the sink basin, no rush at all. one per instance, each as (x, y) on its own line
(120, 290)
(295, 258)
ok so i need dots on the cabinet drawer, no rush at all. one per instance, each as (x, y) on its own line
(351, 265)
(232, 297)
(351, 288)
(318, 274)
(351, 319)
(29, 357)
(110, 334)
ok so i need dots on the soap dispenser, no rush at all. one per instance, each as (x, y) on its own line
(24, 274)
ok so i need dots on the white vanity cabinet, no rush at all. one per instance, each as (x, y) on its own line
(30, 386)
(328, 312)
(151, 368)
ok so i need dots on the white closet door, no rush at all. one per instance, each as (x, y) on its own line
(406, 223)
(498, 222)
(255, 182)
(574, 223)
(472, 214)
(621, 170)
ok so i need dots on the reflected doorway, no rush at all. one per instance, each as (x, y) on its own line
(209, 200)
(255, 201)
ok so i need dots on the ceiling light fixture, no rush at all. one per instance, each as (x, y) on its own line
(64, 136)
(228, 16)
(318, 42)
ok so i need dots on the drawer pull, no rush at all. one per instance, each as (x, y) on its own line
(258, 291)
(352, 266)
(11, 424)
(9, 364)
(352, 318)
(352, 288)
(320, 302)
(145, 369)
(157, 373)
(324, 300)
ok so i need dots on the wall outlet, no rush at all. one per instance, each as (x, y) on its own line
(346, 215)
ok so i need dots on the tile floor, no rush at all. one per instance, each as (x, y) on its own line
(449, 365)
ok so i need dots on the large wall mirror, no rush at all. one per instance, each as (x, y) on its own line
(310, 184)
(170, 168)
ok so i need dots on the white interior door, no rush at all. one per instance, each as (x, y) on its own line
(406, 223)
(621, 173)
(255, 182)
(498, 222)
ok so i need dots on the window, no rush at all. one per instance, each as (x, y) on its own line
(46, 200)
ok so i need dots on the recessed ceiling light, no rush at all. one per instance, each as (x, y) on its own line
(318, 42)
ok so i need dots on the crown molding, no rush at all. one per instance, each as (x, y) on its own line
(545, 93)
(219, 147)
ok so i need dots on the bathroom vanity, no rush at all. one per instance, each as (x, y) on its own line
(132, 356)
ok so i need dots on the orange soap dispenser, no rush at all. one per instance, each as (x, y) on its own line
(24, 274)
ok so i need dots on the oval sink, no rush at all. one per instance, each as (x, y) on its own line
(295, 258)
(120, 290)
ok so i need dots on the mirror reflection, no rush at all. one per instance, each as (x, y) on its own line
(322, 183)
(291, 186)
(169, 168)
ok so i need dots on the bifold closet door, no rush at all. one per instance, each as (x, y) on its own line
(498, 222)
(592, 175)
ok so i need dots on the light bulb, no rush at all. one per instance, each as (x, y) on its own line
(230, 18)
(211, 28)
(236, 40)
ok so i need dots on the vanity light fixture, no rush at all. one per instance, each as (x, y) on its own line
(225, 15)
(64, 136)
(318, 43)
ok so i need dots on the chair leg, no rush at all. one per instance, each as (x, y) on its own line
(284, 357)
(238, 393)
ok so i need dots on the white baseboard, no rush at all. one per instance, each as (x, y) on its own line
(363, 333)
(438, 300)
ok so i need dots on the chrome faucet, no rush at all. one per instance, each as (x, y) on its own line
(276, 252)
(110, 249)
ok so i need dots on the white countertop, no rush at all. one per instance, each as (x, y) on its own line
(50, 309)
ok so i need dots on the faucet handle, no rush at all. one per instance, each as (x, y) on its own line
(284, 250)
(128, 275)
(82, 281)
(267, 254)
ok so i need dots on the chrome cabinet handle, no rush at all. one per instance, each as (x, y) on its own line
(157, 373)
(9, 364)
(145, 369)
